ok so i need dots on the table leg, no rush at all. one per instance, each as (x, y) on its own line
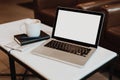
(110, 73)
(12, 68)
(111, 68)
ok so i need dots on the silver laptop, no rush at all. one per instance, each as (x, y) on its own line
(74, 38)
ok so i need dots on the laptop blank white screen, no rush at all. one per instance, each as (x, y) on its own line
(81, 27)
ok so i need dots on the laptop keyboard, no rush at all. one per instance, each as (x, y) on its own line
(82, 51)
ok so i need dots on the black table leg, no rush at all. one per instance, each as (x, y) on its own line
(111, 68)
(12, 68)
(110, 73)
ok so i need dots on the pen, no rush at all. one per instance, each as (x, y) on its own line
(13, 48)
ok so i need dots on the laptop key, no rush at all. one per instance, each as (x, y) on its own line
(68, 48)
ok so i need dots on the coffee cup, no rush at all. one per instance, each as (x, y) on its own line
(33, 27)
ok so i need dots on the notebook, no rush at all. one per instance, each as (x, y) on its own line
(23, 39)
(75, 36)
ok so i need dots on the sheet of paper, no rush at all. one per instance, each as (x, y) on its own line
(15, 46)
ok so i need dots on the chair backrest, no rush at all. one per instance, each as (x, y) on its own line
(112, 12)
(94, 4)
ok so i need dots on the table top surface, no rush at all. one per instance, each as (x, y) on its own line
(50, 69)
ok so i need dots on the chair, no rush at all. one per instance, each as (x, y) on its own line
(111, 34)
(111, 31)
(45, 10)
(94, 5)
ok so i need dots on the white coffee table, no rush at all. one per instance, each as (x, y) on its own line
(46, 68)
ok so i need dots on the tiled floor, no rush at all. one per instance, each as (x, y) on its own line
(10, 11)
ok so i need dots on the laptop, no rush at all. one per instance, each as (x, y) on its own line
(75, 36)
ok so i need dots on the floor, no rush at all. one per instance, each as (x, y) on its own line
(11, 11)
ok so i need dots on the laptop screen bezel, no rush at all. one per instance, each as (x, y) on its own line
(81, 11)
